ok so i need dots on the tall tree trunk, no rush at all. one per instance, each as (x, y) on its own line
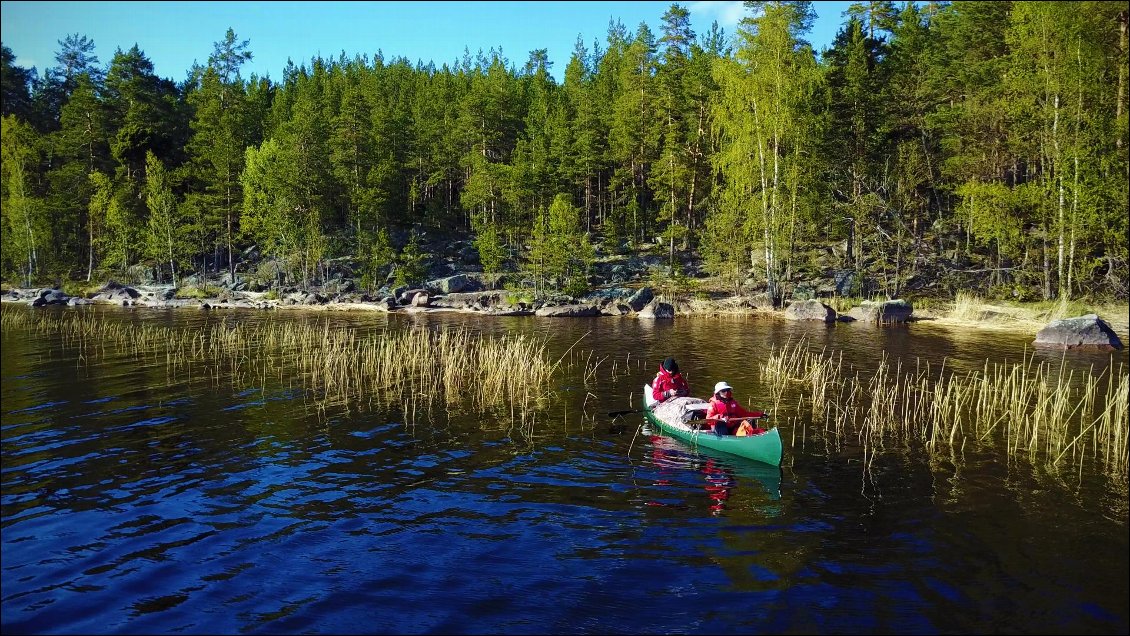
(1060, 208)
(90, 261)
(1120, 103)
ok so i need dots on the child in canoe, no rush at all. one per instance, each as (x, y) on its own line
(729, 417)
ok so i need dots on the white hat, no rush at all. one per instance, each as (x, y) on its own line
(721, 386)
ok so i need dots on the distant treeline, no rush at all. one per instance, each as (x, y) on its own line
(991, 136)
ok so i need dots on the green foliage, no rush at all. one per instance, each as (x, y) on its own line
(492, 253)
(560, 253)
(198, 291)
(989, 137)
(410, 264)
(380, 257)
(671, 281)
(79, 288)
(164, 234)
(26, 227)
(762, 113)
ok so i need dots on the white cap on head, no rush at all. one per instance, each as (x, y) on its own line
(721, 386)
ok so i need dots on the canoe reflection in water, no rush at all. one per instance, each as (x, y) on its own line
(722, 475)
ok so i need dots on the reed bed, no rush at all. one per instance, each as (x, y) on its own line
(1048, 413)
(337, 366)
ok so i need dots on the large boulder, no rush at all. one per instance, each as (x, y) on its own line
(615, 309)
(884, 312)
(1081, 332)
(421, 299)
(454, 284)
(641, 298)
(657, 310)
(50, 297)
(568, 311)
(810, 310)
(405, 297)
(117, 294)
(471, 300)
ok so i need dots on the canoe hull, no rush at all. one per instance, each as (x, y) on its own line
(765, 448)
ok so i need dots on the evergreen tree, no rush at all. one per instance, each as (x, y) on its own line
(16, 82)
(216, 148)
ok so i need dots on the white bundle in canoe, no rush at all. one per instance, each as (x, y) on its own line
(680, 410)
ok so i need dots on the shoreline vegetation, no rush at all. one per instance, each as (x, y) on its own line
(416, 370)
(1031, 408)
(966, 311)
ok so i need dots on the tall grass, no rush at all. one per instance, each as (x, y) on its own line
(1046, 412)
(337, 366)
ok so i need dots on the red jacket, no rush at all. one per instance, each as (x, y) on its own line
(664, 381)
(720, 408)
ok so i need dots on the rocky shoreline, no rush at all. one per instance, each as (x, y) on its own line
(437, 295)
(465, 294)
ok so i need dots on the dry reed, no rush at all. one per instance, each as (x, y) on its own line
(415, 368)
(1045, 412)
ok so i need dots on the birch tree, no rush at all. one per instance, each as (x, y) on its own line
(763, 121)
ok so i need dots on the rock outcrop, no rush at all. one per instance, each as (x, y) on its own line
(885, 312)
(810, 310)
(1081, 332)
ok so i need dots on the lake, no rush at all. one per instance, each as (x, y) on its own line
(143, 498)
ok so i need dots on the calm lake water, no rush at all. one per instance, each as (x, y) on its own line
(138, 502)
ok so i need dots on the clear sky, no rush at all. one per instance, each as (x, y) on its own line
(175, 34)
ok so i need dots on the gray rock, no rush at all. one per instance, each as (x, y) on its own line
(810, 310)
(843, 280)
(1081, 332)
(615, 309)
(641, 298)
(760, 301)
(657, 310)
(885, 312)
(420, 299)
(405, 297)
(568, 311)
(50, 297)
(116, 293)
(454, 284)
(75, 301)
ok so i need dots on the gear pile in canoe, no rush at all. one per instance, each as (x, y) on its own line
(679, 417)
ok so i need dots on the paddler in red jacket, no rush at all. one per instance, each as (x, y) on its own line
(727, 414)
(669, 383)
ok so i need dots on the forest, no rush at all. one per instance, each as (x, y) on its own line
(985, 143)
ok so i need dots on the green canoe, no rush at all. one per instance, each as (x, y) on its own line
(764, 448)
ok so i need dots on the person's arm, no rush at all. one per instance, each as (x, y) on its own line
(712, 413)
(681, 387)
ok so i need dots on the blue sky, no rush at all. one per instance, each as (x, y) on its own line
(174, 34)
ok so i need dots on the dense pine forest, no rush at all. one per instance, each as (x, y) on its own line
(983, 143)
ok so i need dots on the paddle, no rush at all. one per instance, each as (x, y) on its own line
(732, 419)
